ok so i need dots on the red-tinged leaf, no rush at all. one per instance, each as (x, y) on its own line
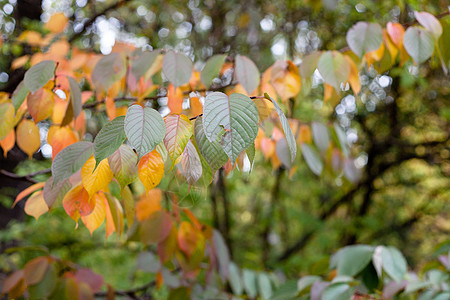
(35, 205)
(156, 228)
(8, 142)
(167, 247)
(94, 280)
(40, 104)
(178, 132)
(14, 282)
(59, 138)
(187, 238)
(28, 191)
(54, 193)
(27, 136)
(430, 22)
(175, 99)
(77, 204)
(84, 291)
(35, 270)
(396, 33)
(151, 170)
(191, 164)
(192, 218)
(97, 216)
(123, 164)
(148, 204)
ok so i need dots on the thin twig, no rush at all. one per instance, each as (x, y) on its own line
(28, 177)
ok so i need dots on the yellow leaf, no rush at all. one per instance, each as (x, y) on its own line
(353, 78)
(114, 216)
(28, 138)
(97, 216)
(28, 191)
(35, 205)
(390, 46)
(8, 142)
(285, 78)
(148, 204)
(7, 119)
(98, 179)
(151, 170)
(19, 62)
(57, 23)
(77, 204)
(40, 104)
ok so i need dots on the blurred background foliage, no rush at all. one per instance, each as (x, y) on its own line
(398, 127)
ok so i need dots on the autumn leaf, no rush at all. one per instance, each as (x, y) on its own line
(175, 99)
(95, 178)
(77, 204)
(148, 204)
(27, 136)
(7, 143)
(93, 220)
(35, 205)
(151, 170)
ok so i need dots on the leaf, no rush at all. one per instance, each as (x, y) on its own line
(96, 177)
(187, 238)
(123, 163)
(237, 115)
(364, 37)
(306, 281)
(38, 75)
(338, 291)
(320, 136)
(342, 139)
(212, 152)
(175, 99)
(285, 78)
(28, 191)
(69, 160)
(148, 204)
(142, 64)
(351, 260)
(27, 136)
(35, 269)
(151, 170)
(8, 142)
(309, 64)
(40, 104)
(178, 132)
(14, 284)
(393, 262)
(246, 73)
(222, 254)
(235, 279)
(109, 139)
(334, 68)
(396, 33)
(212, 69)
(60, 138)
(45, 287)
(430, 22)
(264, 286)
(77, 203)
(55, 192)
(114, 216)
(144, 128)
(19, 95)
(75, 96)
(168, 246)
(156, 228)
(249, 283)
(148, 262)
(353, 78)
(94, 280)
(7, 119)
(312, 159)
(177, 68)
(286, 128)
(56, 23)
(108, 70)
(96, 218)
(191, 164)
(283, 154)
(419, 43)
(35, 205)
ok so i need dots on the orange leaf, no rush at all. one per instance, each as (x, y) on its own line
(156, 228)
(35, 270)
(304, 134)
(195, 106)
(151, 170)
(28, 191)
(285, 79)
(187, 238)
(167, 247)
(40, 104)
(28, 138)
(110, 108)
(353, 78)
(148, 204)
(59, 110)
(97, 216)
(267, 147)
(175, 99)
(59, 138)
(8, 142)
(56, 23)
(76, 203)
(396, 33)
(35, 205)
(98, 179)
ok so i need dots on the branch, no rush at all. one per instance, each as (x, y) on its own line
(129, 293)
(28, 177)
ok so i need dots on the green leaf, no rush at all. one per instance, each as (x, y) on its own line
(286, 128)
(264, 286)
(211, 151)
(351, 260)
(177, 68)
(108, 70)
(75, 96)
(144, 128)
(246, 73)
(249, 283)
(394, 264)
(212, 69)
(45, 287)
(54, 193)
(364, 37)
(38, 75)
(338, 291)
(334, 68)
(235, 279)
(309, 64)
(312, 159)
(306, 281)
(19, 95)
(143, 63)
(237, 115)
(70, 159)
(178, 132)
(320, 136)
(287, 291)
(251, 152)
(222, 254)
(191, 164)
(419, 43)
(109, 139)
(123, 163)
(148, 262)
